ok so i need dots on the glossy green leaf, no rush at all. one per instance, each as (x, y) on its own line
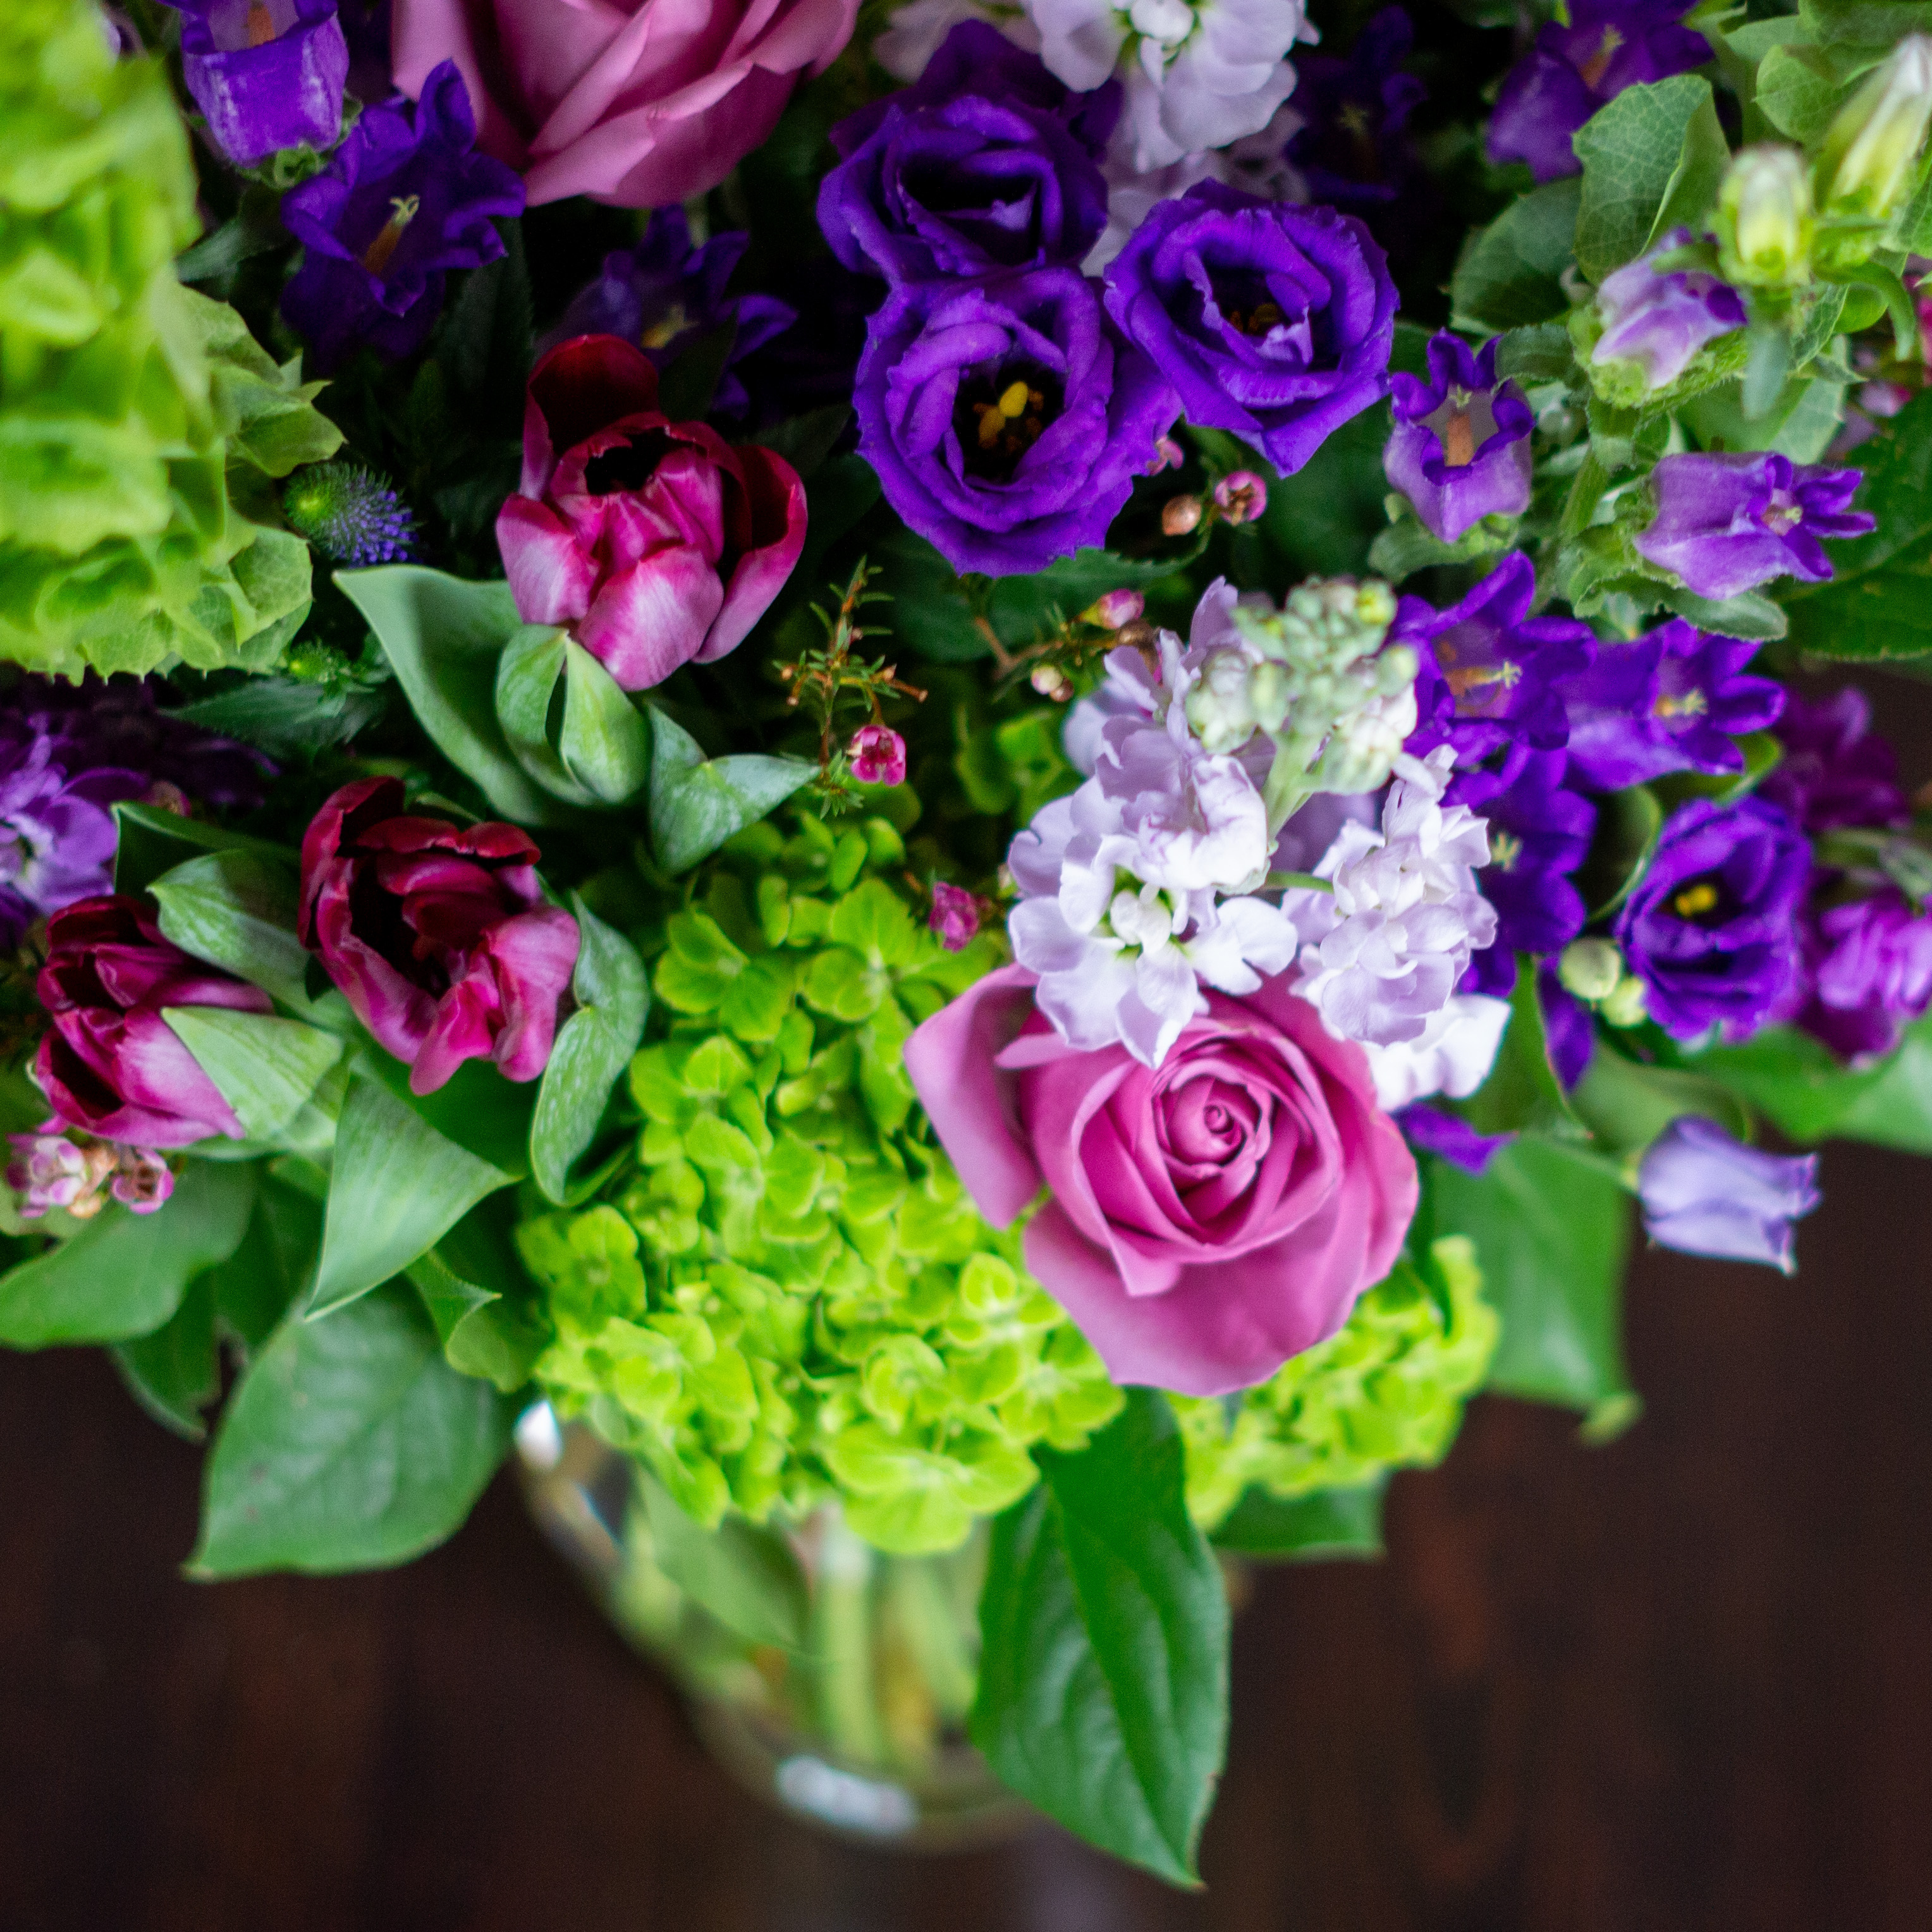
(1323, 1524)
(1509, 275)
(746, 1576)
(1103, 1675)
(1523, 1092)
(150, 842)
(267, 1069)
(1626, 1104)
(349, 1445)
(1652, 155)
(1810, 1094)
(932, 613)
(286, 718)
(257, 1284)
(697, 803)
(488, 1313)
(605, 744)
(476, 1108)
(526, 679)
(174, 1373)
(125, 1274)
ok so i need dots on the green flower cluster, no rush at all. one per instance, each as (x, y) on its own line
(1386, 1391)
(789, 1297)
(137, 419)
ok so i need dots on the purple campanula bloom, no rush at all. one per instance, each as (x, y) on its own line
(1460, 451)
(406, 198)
(1674, 701)
(1709, 926)
(1704, 1193)
(1656, 320)
(1836, 770)
(1448, 1136)
(1725, 524)
(1005, 419)
(267, 74)
(1353, 149)
(1488, 671)
(1609, 45)
(664, 294)
(1272, 321)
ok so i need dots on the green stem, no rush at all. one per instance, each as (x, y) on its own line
(842, 1644)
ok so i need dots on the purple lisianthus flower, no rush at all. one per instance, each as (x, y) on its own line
(1488, 671)
(1460, 451)
(1609, 45)
(1272, 321)
(1709, 928)
(1725, 524)
(1656, 320)
(1674, 701)
(405, 199)
(267, 74)
(1005, 419)
(1569, 1038)
(1704, 1193)
(664, 294)
(1836, 770)
(1448, 1136)
(1352, 147)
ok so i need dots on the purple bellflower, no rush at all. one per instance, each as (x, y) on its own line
(1655, 320)
(405, 199)
(1673, 701)
(1569, 1038)
(1460, 451)
(1448, 1136)
(1725, 524)
(1704, 1193)
(267, 74)
(1571, 71)
(1352, 147)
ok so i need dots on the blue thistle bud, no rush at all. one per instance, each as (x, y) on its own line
(349, 515)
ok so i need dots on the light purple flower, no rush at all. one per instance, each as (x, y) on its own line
(1460, 451)
(142, 1180)
(1656, 320)
(49, 1171)
(1726, 523)
(269, 74)
(1704, 1193)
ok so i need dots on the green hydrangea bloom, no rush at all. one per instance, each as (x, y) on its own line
(1386, 1391)
(138, 419)
(789, 1297)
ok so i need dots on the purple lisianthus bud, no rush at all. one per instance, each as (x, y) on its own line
(1431, 1130)
(1709, 927)
(1272, 321)
(1726, 523)
(1460, 451)
(1867, 970)
(269, 74)
(1005, 419)
(1836, 770)
(1609, 45)
(878, 755)
(1656, 320)
(1704, 1193)
(406, 198)
(1674, 701)
(955, 916)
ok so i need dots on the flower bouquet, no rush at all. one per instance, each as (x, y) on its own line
(955, 793)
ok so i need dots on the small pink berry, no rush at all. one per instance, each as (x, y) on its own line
(1241, 497)
(956, 915)
(878, 755)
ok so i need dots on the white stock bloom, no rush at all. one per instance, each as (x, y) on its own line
(913, 35)
(1453, 1054)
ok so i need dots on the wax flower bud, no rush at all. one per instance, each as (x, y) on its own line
(1627, 1003)
(1764, 219)
(1168, 455)
(1870, 157)
(1590, 969)
(1180, 515)
(1116, 608)
(1242, 497)
(1050, 681)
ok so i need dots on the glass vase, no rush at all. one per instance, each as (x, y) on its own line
(829, 1677)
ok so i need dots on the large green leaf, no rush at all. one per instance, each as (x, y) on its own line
(1810, 1094)
(174, 1373)
(1103, 1673)
(1652, 157)
(150, 842)
(604, 743)
(487, 1311)
(125, 1274)
(476, 1108)
(1523, 1092)
(349, 1445)
(1322, 1524)
(1510, 274)
(267, 1069)
(746, 1576)
(697, 803)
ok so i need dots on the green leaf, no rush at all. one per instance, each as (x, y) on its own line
(697, 803)
(932, 612)
(1509, 275)
(1628, 824)
(1523, 1092)
(1321, 521)
(686, 388)
(1799, 92)
(1652, 151)
(349, 1445)
(593, 1049)
(745, 1577)
(1103, 1675)
(486, 344)
(125, 1274)
(1022, 608)
(1810, 1094)
(526, 676)
(150, 842)
(397, 1186)
(266, 1068)
(174, 1373)
(442, 638)
(476, 1108)
(257, 1285)
(1626, 1104)
(1322, 1524)
(286, 718)
(488, 1313)
(806, 441)
(605, 744)
(1692, 191)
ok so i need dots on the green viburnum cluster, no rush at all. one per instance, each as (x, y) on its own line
(1388, 1391)
(139, 420)
(790, 1297)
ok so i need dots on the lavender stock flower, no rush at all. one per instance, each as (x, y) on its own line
(1867, 970)
(1656, 320)
(1703, 1193)
(267, 74)
(1836, 770)
(1726, 523)
(1460, 451)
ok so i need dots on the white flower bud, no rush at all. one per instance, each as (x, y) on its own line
(1870, 152)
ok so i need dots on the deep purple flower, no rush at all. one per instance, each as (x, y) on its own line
(1448, 1136)
(405, 199)
(1725, 524)
(1656, 320)
(1272, 321)
(1704, 1193)
(114, 721)
(1609, 45)
(664, 294)
(1867, 970)
(1568, 1035)
(1005, 419)
(1674, 701)
(269, 74)
(1460, 451)
(365, 26)
(1836, 770)
(1710, 926)
(1352, 148)
(1488, 669)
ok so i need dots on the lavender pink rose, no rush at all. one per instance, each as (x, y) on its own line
(1208, 1218)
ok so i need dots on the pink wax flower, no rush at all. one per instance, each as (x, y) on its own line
(878, 755)
(437, 933)
(658, 543)
(142, 1180)
(1208, 1218)
(50, 1171)
(955, 917)
(621, 99)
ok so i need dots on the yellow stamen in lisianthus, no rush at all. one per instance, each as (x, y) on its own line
(1694, 900)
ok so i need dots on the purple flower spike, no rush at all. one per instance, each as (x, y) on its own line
(1672, 701)
(1704, 1193)
(406, 198)
(1836, 770)
(1709, 928)
(1609, 45)
(1725, 524)
(1488, 669)
(1655, 321)
(1460, 451)
(269, 74)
